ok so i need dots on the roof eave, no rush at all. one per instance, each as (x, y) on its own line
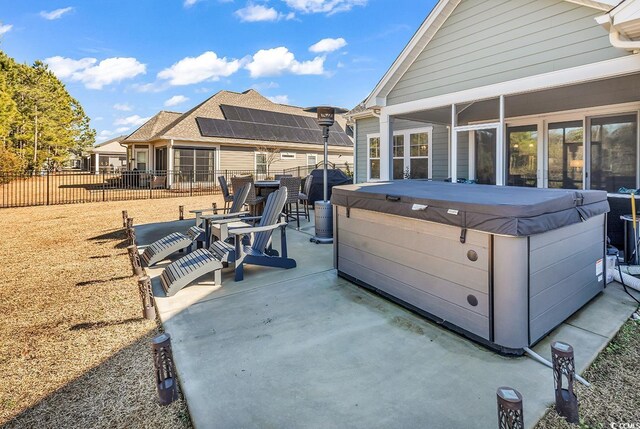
(438, 15)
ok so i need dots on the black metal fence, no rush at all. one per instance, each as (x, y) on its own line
(70, 187)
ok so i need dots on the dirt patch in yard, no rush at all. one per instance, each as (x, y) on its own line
(75, 351)
(614, 395)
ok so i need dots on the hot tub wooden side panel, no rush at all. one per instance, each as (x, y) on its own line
(421, 263)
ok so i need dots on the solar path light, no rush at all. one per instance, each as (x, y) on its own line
(322, 209)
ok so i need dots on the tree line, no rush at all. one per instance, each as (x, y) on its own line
(41, 124)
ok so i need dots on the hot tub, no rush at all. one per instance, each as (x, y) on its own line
(501, 265)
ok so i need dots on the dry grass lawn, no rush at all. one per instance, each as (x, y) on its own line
(614, 395)
(75, 351)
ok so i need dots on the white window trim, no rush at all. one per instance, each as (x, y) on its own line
(287, 155)
(255, 161)
(310, 155)
(369, 137)
(542, 120)
(407, 150)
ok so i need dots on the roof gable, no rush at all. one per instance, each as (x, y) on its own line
(150, 129)
(434, 21)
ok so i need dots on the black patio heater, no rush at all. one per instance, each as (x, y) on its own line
(322, 209)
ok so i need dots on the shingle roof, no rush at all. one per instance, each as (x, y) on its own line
(171, 125)
(151, 128)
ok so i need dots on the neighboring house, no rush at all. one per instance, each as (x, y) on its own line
(226, 133)
(108, 156)
(541, 93)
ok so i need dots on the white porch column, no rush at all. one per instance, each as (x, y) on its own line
(454, 144)
(170, 164)
(96, 158)
(500, 149)
(386, 140)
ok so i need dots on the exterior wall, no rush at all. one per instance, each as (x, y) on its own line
(240, 158)
(364, 127)
(439, 145)
(491, 41)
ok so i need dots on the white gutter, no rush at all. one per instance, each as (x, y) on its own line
(615, 38)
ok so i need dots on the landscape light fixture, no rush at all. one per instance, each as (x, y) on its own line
(325, 116)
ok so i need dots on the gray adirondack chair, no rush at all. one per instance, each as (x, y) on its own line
(202, 261)
(177, 241)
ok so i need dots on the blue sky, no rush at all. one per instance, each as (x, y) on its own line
(127, 59)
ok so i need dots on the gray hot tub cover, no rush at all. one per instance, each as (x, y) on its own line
(504, 210)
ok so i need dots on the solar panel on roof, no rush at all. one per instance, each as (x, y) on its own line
(276, 127)
(229, 112)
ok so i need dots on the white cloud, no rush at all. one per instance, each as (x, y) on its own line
(257, 12)
(5, 28)
(206, 67)
(150, 87)
(280, 99)
(123, 107)
(98, 118)
(55, 14)
(189, 3)
(95, 76)
(175, 100)
(66, 67)
(276, 61)
(328, 45)
(122, 129)
(133, 120)
(324, 6)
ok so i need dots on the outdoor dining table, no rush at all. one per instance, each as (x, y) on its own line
(265, 187)
(229, 225)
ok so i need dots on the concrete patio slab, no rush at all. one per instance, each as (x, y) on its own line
(304, 348)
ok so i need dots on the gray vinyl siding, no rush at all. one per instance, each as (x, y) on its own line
(463, 156)
(364, 127)
(492, 41)
(439, 145)
(440, 153)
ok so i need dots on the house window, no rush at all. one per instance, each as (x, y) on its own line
(287, 155)
(398, 157)
(374, 157)
(419, 155)
(312, 159)
(613, 152)
(261, 164)
(197, 165)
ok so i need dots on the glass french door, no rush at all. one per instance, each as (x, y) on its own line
(613, 152)
(522, 156)
(565, 155)
(485, 156)
(411, 155)
(141, 159)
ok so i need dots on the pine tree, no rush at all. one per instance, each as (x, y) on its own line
(41, 122)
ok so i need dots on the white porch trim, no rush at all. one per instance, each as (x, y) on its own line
(600, 70)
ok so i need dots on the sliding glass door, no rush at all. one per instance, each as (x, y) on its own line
(522, 156)
(485, 156)
(613, 152)
(565, 155)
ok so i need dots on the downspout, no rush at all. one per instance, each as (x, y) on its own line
(615, 38)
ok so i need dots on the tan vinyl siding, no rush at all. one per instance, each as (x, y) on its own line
(241, 158)
(492, 41)
(235, 158)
